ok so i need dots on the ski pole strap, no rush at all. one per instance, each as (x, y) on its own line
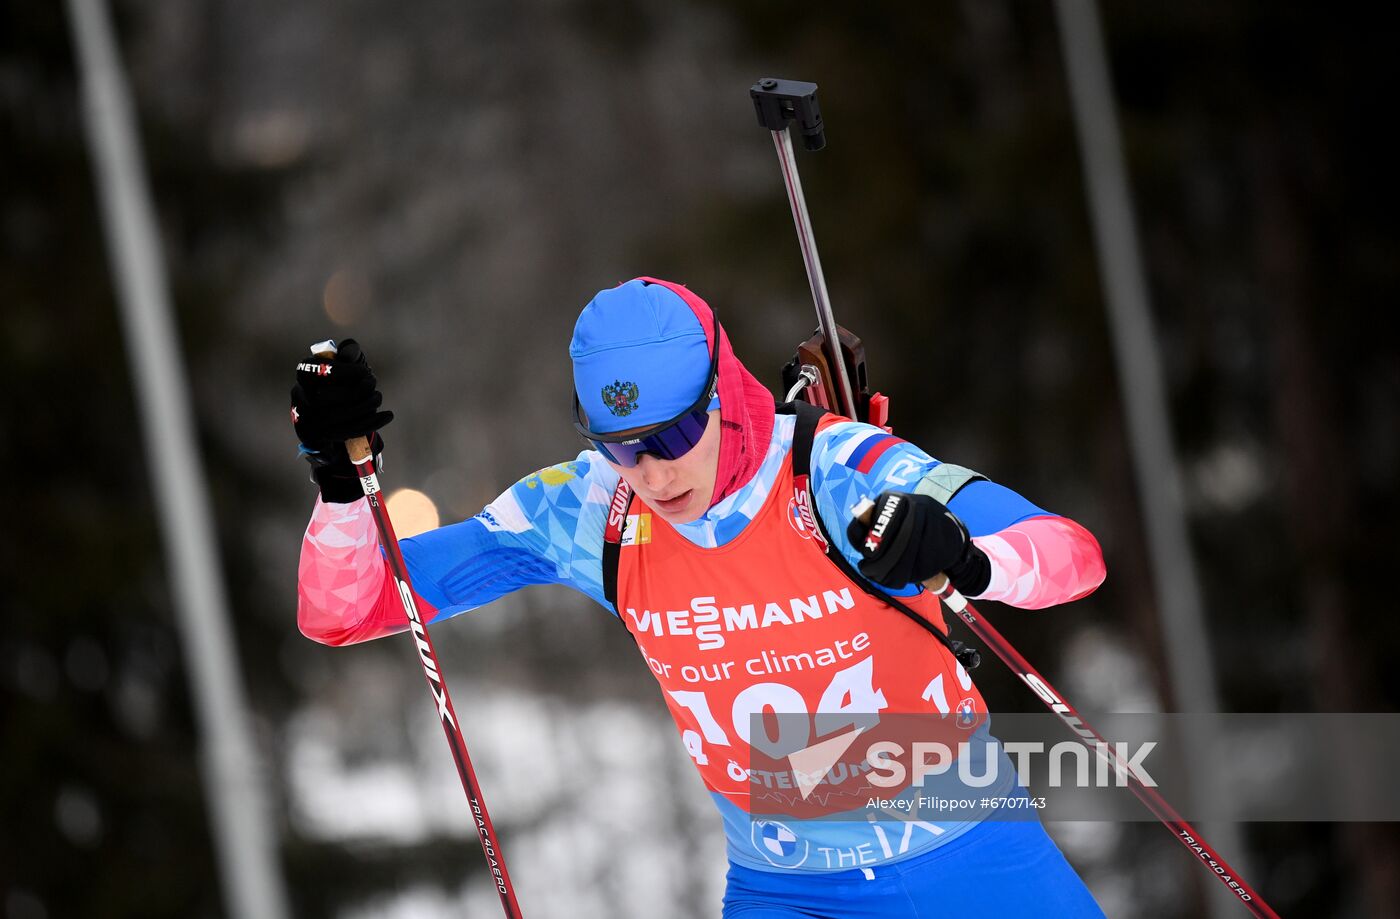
(808, 418)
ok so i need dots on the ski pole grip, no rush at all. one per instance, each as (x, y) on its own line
(357, 447)
(864, 511)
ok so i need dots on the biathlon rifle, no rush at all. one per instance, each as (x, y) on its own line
(829, 368)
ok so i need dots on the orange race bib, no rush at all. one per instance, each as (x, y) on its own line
(772, 661)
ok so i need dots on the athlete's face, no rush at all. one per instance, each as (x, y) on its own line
(679, 489)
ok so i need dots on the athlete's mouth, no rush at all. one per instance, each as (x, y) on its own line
(677, 503)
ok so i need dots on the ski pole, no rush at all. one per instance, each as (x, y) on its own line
(1185, 834)
(363, 458)
(1091, 738)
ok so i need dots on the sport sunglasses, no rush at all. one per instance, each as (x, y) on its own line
(669, 440)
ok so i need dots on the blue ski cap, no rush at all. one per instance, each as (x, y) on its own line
(640, 358)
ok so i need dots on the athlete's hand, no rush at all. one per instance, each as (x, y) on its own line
(911, 538)
(334, 399)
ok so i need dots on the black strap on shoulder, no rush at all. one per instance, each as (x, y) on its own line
(614, 524)
(803, 438)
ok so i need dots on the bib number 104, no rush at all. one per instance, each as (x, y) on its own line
(849, 700)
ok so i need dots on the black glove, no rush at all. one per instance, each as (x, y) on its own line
(913, 537)
(333, 401)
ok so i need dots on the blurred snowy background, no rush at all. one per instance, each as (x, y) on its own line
(449, 183)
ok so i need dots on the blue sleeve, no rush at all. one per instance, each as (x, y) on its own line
(547, 528)
(985, 507)
(851, 461)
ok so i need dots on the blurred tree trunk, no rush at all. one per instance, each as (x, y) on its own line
(1321, 506)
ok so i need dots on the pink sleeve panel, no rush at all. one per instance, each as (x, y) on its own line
(1041, 562)
(345, 592)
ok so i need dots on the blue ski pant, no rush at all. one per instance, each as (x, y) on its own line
(996, 869)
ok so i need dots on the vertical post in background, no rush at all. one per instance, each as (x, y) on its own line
(1156, 470)
(232, 771)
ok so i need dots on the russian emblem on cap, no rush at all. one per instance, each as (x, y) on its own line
(621, 398)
